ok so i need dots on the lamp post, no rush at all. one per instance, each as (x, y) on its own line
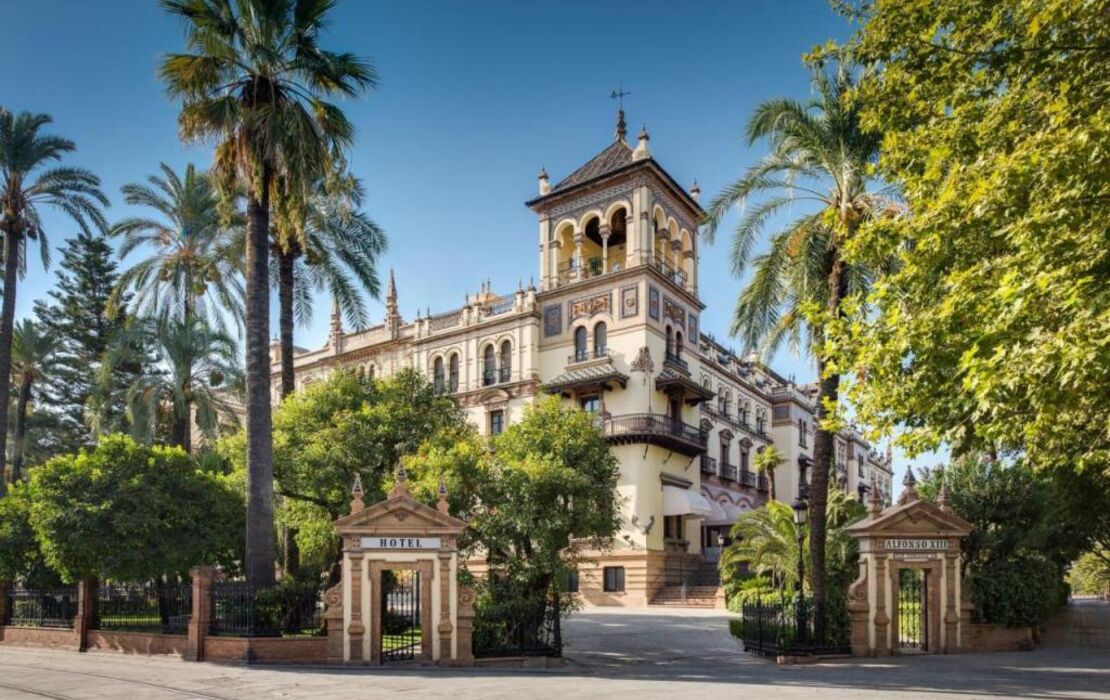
(801, 509)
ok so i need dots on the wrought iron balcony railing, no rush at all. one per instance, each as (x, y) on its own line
(673, 358)
(728, 471)
(655, 429)
(708, 465)
(587, 355)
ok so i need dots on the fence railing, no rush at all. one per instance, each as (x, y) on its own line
(769, 627)
(517, 628)
(161, 608)
(41, 607)
(239, 610)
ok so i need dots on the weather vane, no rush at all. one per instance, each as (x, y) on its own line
(619, 96)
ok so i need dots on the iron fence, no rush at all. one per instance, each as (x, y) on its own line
(517, 628)
(41, 607)
(769, 627)
(159, 607)
(240, 610)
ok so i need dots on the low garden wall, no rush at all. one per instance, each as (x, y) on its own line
(985, 637)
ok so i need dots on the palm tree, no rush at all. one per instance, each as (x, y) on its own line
(32, 358)
(765, 540)
(766, 462)
(820, 155)
(337, 251)
(256, 80)
(26, 185)
(191, 260)
(197, 371)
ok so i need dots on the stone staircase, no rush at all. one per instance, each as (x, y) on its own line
(692, 597)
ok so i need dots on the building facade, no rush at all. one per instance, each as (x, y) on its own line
(613, 327)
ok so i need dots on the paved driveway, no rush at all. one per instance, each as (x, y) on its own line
(612, 654)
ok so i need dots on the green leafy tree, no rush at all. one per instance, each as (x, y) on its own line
(1029, 525)
(543, 495)
(76, 316)
(198, 377)
(256, 79)
(820, 157)
(1090, 575)
(28, 184)
(129, 512)
(32, 358)
(190, 270)
(991, 333)
(20, 556)
(334, 429)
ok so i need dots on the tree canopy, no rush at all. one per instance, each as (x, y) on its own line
(129, 512)
(994, 331)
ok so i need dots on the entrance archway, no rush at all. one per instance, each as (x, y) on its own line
(909, 596)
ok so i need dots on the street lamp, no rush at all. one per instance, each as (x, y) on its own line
(801, 510)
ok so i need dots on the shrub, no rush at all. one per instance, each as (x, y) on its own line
(1022, 590)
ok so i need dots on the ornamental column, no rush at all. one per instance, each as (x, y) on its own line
(605, 233)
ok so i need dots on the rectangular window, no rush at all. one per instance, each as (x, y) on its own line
(673, 527)
(801, 432)
(613, 579)
(591, 404)
(496, 422)
(570, 581)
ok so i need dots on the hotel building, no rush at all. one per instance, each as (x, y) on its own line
(614, 328)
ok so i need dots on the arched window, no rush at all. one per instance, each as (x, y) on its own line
(506, 361)
(370, 372)
(760, 420)
(601, 339)
(670, 341)
(489, 366)
(580, 344)
(438, 378)
(678, 344)
(745, 409)
(453, 372)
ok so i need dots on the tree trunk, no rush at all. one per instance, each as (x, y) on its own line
(20, 432)
(182, 431)
(285, 299)
(7, 319)
(260, 468)
(824, 447)
(771, 484)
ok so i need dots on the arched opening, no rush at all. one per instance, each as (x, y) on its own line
(506, 361)
(745, 412)
(592, 253)
(670, 341)
(438, 376)
(686, 257)
(489, 366)
(580, 344)
(370, 372)
(618, 240)
(453, 372)
(601, 339)
(566, 263)
(678, 345)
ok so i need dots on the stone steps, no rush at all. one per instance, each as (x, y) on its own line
(696, 597)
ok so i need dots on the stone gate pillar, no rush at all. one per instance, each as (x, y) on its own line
(916, 535)
(403, 535)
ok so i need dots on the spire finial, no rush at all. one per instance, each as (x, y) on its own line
(943, 499)
(400, 488)
(442, 492)
(356, 494)
(874, 502)
(619, 95)
(909, 488)
(695, 190)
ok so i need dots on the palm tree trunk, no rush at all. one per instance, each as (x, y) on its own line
(260, 468)
(771, 484)
(824, 446)
(285, 299)
(7, 319)
(182, 431)
(20, 432)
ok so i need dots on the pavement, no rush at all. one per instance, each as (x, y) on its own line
(611, 653)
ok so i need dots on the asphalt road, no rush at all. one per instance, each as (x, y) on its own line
(642, 654)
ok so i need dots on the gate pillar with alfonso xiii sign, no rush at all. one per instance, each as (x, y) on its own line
(909, 597)
(399, 598)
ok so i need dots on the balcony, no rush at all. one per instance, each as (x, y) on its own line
(654, 429)
(747, 478)
(762, 484)
(587, 355)
(674, 360)
(715, 412)
(496, 376)
(569, 271)
(675, 275)
(708, 465)
(728, 471)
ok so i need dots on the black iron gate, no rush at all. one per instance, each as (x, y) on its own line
(401, 633)
(913, 612)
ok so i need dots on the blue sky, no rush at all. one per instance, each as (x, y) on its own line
(474, 98)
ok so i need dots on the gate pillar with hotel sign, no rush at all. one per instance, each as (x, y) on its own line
(399, 598)
(909, 597)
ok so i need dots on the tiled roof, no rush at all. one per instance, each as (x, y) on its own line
(616, 156)
(596, 374)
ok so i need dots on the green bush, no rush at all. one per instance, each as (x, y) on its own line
(1022, 590)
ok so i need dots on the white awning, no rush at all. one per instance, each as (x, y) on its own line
(734, 512)
(718, 515)
(678, 501)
